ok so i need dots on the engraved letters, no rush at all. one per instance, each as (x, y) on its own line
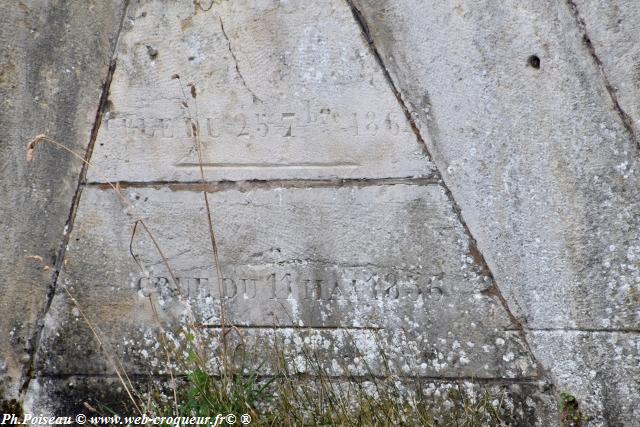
(283, 285)
(247, 125)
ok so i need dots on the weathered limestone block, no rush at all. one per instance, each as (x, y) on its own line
(612, 29)
(337, 264)
(540, 164)
(279, 95)
(334, 231)
(524, 405)
(53, 59)
(519, 120)
(599, 367)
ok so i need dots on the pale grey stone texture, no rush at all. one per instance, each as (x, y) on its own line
(329, 264)
(600, 369)
(53, 59)
(515, 110)
(525, 404)
(284, 90)
(539, 161)
(612, 29)
(540, 164)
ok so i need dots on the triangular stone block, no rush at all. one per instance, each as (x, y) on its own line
(333, 227)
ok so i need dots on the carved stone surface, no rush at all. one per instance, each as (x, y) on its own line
(334, 231)
(53, 60)
(612, 29)
(329, 262)
(598, 367)
(454, 183)
(528, 404)
(278, 96)
(519, 119)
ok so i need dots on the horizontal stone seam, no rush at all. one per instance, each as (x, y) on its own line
(319, 328)
(314, 328)
(473, 246)
(440, 379)
(627, 121)
(587, 330)
(321, 262)
(256, 184)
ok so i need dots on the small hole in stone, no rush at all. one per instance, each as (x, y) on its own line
(534, 61)
(153, 53)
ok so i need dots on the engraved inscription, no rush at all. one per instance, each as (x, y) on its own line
(245, 125)
(304, 286)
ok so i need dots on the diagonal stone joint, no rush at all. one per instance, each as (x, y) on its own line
(627, 121)
(475, 252)
(75, 202)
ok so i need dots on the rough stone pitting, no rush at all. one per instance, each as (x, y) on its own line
(336, 232)
(68, 227)
(51, 69)
(529, 400)
(626, 118)
(473, 246)
(309, 287)
(594, 376)
(443, 194)
(329, 112)
(153, 53)
(542, 162)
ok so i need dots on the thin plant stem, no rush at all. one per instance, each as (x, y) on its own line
(195, 133)
(101, 344)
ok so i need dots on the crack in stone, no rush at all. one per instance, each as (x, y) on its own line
(75, 201)
(235, 61)
(627, 121)
(473, 245)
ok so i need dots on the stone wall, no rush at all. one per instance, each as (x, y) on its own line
(453, 181)
(54, 59)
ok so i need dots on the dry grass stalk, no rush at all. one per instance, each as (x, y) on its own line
(115, 363)
(195, 133)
